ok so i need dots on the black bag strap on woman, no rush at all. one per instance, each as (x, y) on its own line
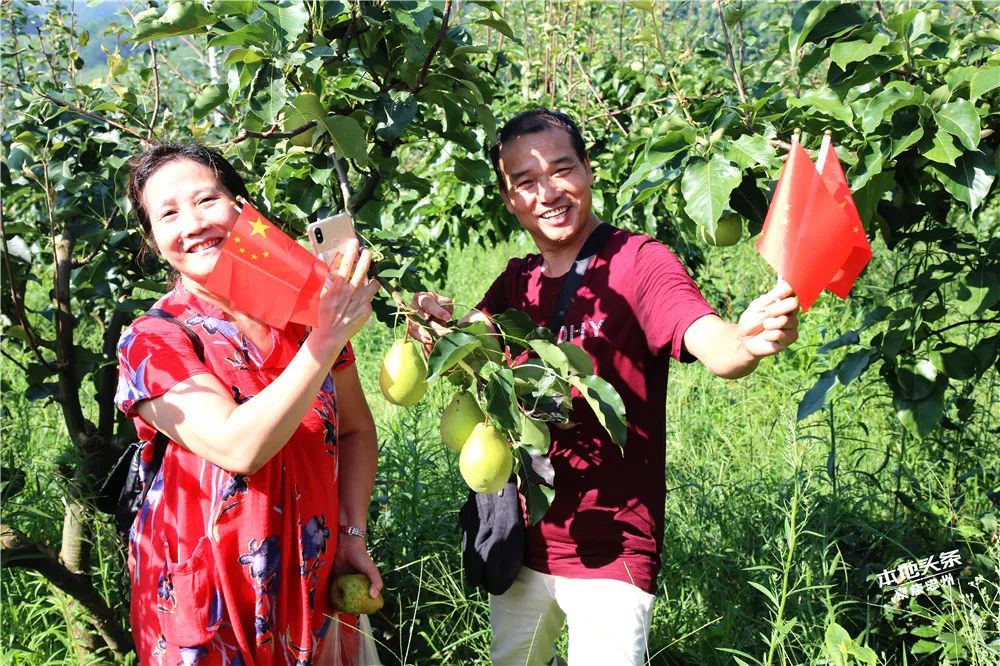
(122, 492)
(493, 530)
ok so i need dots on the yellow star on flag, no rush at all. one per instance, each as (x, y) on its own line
(266, 254)
(259, 228)
(243, 250)
(254, 256)
(236, 239)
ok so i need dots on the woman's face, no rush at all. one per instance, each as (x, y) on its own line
(190, 214)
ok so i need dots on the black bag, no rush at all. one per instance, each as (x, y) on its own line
(493, 530)
(122, 492)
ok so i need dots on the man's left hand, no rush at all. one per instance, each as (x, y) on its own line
(771, 322)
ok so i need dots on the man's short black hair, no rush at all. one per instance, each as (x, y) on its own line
(148, 162)
(531, 122)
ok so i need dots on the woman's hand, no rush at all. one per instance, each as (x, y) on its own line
(345, 302)
(352, 556)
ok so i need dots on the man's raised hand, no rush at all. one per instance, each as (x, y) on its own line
(770, 323)
(437, 310)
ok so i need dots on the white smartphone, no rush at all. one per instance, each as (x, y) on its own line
(329, 235)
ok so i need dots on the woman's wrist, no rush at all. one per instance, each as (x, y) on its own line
(353, 532)
(325, 344)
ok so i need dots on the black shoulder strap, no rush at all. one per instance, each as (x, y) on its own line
(575, 274)
(160, 440)
(199, 347)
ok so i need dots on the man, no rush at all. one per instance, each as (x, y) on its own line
(593, 558)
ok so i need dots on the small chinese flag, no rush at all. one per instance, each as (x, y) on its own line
(861, 251)
(266, 274)
(808, 237)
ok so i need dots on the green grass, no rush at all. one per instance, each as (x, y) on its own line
(775, 529)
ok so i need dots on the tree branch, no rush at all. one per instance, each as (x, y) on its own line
(366, 192)
(737, 76)
(156, 90)
(597, 94)
(34, 341)
(634, 106)
(93, 116)
(968, 322)
(422, 77)
(19, 550)
(272, 133)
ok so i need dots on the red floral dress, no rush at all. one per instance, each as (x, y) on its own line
(230, 568)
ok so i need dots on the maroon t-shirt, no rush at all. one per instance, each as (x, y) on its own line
(630, 313)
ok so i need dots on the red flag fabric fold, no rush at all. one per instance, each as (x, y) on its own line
(809, 236)
(266, 274)
(860, 252)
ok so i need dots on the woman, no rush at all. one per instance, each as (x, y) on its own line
(231, 556)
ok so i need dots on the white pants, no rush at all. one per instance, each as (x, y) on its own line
(608, 621)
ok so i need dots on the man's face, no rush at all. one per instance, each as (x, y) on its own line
(548, 187)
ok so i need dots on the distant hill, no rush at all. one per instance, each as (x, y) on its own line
(95, 16)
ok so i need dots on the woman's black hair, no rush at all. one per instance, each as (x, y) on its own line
(145, 164)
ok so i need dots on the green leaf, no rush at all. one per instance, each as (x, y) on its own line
(751, 150)
(183, 17)
(916, 378)
(233, 7)
(449, 350)
(815, 398)
(395, 118)
(514, 323)
(803, 21)
(960, 119)
(270, 94)
(539, 497)
(348, 138)
(893, 97)
(472, 171)
(534, 434)
(983, 81)
(866, 199)
(209, 98)
(844, 53)
(958, 363)
(824, 100)
(854, 364)
(501, 402)
(500, 26)
(969, 180)
(551, 354)
(766, 592)
(255, 34)
(943, 149)
(290, 17)
(606, 403)
(706, 186)
(579, 360)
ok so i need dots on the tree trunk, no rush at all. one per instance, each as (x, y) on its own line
(18, 550)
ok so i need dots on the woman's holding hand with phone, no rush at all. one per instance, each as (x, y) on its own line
(263, 491)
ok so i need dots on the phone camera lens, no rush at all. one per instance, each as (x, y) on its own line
(319, 235)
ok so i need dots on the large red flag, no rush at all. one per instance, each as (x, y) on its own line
(807, 235)
(266, 274)
(861, 251)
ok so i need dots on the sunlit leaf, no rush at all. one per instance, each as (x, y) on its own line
(706, 186)
(449, 350)
(606, 403)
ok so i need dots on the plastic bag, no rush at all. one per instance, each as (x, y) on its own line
(349, 642)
